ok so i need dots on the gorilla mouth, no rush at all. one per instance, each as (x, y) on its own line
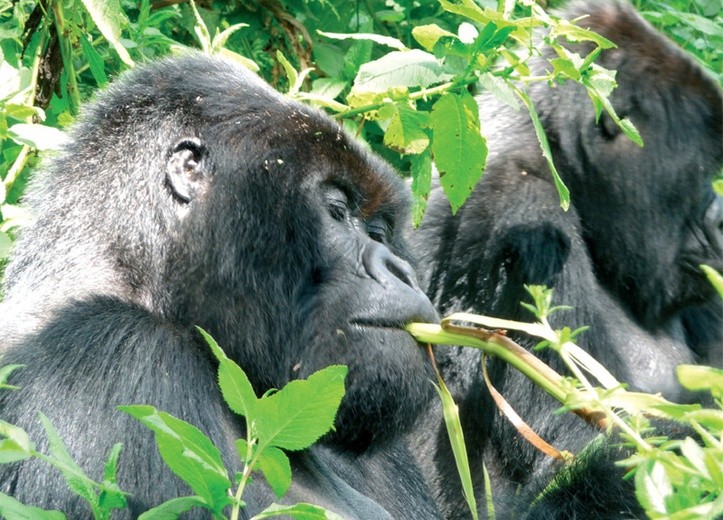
(377, 324)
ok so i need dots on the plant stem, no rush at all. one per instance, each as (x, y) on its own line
(66, 53)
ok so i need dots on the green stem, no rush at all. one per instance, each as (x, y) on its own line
(420, 94)
(66, 53)
(522, 361)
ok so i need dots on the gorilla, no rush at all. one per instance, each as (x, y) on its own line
(190, 193)
(625, 256)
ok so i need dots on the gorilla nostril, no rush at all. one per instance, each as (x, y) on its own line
(402, 270)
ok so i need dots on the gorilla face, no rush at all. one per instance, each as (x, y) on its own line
(308, 262)
(663, 187)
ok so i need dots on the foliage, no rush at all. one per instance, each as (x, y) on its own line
(290, 419)
(674, 478)
(398, 73)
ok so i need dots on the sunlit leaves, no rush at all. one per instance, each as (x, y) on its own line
(460, 151)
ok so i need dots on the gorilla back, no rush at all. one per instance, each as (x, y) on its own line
(625, 256)
(193, 194)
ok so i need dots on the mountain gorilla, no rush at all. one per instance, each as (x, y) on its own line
(193, 194)
(626, 257)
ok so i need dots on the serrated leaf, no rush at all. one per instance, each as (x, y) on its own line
(413, 68)
(12, 509)
(297, 415)
(235, 385)
(172, 509)
(188, 453)
(275, 466)
(110, 20)
(405, 132)
(421, 171)
(39, 137)
(16, 444)
(376, 38)
(298, 511)
(458, 147)
(428, 35)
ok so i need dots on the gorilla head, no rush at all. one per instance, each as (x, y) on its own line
(664, 187)
(195, 195)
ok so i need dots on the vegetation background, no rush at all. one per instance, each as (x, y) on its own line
(400, 74)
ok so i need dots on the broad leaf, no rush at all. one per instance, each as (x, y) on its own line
(298, 511)
(173, 508)
(459, 149)
(110, 20)
(235, 385)
(382, 40)
(189, 454)
(12, 509)
(275, 466)
(16, 445)
(297, 415)
(405, 132)
(39, 137)
(413, 68)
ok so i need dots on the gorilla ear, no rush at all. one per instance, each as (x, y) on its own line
(185, 175)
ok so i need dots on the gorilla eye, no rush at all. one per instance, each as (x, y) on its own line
(609, 129)
(338, 204)
(378, 230)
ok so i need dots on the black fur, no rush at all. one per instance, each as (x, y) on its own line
(625, 256)
(191, 193)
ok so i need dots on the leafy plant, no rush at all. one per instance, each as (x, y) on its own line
(674, 478)
(290, 419)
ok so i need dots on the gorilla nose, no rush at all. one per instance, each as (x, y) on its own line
(386, 268)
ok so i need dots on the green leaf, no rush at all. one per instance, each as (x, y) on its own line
(172, 509)
(698, 378)
(577, 34)
(382, 40)
(75, 477)
(715, 278)
(39, 137)
(298, 511)
(6, 370)
(111, 497)
(413, 68)
(11, 509)
(405, 132)
(275, 466)
(221, 38)
(95, 61)
(652, 486)
(545, 147)
(459, 149)
(456, 439)
(189, 454)
(421, 172)
(499, 88)
(297, 415)
(15, 445)
(235, 385)
(428, 35)
(110, 20)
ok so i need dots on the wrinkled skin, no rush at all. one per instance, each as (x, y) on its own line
(191, 193)
(625, 257)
